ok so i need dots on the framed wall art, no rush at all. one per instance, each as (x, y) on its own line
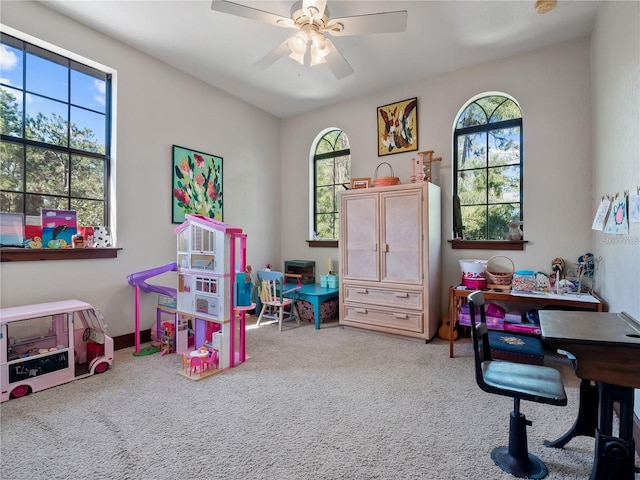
(196, 184)
(364, 182)
(398, 127)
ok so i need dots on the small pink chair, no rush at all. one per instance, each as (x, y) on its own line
(196, 363)
(212, 361)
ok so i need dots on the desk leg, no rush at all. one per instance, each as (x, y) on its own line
(614, 456)
(587, 420)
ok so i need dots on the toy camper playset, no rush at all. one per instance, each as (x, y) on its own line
(48, 344)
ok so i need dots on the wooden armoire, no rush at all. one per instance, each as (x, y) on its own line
(390, 259)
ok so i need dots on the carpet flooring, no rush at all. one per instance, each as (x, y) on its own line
(334, 403)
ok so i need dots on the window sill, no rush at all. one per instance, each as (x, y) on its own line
(458, 244)
(323, 243)
(36, 254)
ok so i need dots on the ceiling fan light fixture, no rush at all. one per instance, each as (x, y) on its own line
(544, 6)
(316, 57)
(321, 44)
(298, 46)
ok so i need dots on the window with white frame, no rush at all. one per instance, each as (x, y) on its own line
(331, 175)
(488, 173)
(55, 132)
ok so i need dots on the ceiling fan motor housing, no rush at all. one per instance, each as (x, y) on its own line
(301, 17)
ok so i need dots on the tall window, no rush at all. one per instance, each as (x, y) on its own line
(331, 174)
(55, 133)
(487, 147)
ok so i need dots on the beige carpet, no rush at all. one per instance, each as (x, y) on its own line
(330, 404)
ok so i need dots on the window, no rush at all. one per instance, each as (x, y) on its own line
(331, 174)
(55, 118)
(487, 143)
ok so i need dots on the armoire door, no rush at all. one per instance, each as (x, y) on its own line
(359, 230)
(401, 236)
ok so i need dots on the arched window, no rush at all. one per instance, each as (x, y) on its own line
(331, 174)
(487, 144)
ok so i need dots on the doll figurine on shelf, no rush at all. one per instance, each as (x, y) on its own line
(557, 268)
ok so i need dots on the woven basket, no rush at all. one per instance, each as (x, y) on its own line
(385, 181)
(498, 279)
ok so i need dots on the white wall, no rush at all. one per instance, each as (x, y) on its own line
(615, 74)
(157, 106)
(552, 87)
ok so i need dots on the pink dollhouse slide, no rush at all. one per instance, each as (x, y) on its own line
(139, 281)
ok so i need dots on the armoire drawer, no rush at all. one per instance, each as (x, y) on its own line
(380, 317)
(389, 297)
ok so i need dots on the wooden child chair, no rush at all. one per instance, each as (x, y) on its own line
(278, 300)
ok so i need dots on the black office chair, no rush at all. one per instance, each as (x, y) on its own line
(519, 381)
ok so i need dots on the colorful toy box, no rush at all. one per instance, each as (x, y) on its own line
(493, 322)
(328, 310)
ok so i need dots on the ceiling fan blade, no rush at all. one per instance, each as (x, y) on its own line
(249, 12)
(270, 58)
(386, 22)
(337, 63)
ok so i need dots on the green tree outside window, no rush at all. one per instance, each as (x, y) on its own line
(488, 167)
(332, 174)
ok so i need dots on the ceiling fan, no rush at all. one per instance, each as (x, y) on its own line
(312, 21)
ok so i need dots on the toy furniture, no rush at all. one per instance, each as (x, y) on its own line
(196, 364)
(316, 296)
(278, 299)
(186, 362)
(211, 361)
(518, 381)
(390, 259)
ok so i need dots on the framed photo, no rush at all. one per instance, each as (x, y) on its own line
(11, 229)
(364, 182)
(398, 127)
(196, 184)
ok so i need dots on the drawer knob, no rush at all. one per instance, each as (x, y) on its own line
(401, 316)
(362, 290)
(361, 310)
(402, 294)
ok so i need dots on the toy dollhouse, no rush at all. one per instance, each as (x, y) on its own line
(209, 255)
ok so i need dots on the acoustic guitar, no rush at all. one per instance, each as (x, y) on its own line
(445, 329)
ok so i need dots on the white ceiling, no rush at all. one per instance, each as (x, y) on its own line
(220, 49)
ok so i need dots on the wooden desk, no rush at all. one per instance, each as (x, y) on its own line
(458, 296)
(606, 347)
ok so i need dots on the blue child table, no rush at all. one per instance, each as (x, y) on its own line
(316, 296)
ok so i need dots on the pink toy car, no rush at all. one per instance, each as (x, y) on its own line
(47, 344)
